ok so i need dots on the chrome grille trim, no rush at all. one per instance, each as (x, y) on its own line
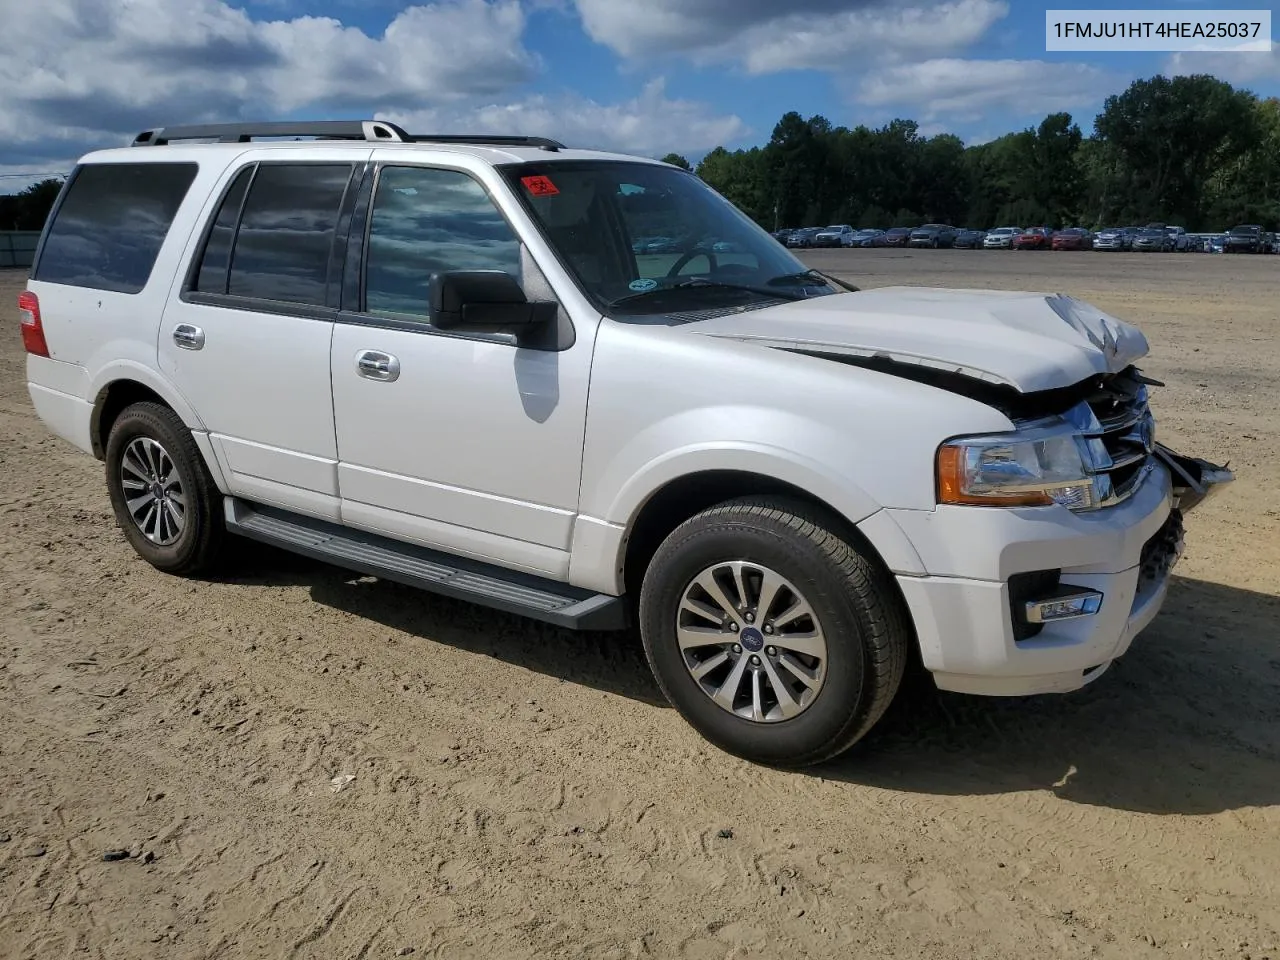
(1117, 442)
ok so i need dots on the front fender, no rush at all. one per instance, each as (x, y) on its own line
(763, 459)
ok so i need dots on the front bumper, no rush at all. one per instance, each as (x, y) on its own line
(964, 612)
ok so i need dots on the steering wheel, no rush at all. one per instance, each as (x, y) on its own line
(690, 256)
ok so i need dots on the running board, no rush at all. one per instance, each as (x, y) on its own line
(480, 583)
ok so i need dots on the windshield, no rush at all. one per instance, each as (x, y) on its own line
(600, 216)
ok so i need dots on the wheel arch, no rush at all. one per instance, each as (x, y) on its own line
(687, 495)
(116, 389)
(120, 386)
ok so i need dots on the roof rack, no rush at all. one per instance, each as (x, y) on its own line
(366, 130)
(244, 132)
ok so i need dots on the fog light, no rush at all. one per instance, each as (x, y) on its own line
(1065, 606)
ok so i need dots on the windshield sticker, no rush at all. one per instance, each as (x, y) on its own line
(643, 286)
(540, 186)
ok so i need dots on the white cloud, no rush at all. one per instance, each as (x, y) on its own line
(766, 36)
(651, 124)
(83, 72)
(964, 91)
(1240, 69)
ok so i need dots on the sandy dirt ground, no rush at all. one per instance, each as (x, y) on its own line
(523, 792)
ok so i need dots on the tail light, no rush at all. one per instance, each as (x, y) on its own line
(32, 329)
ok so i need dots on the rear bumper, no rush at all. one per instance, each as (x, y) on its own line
(963, 611)
(57, 392)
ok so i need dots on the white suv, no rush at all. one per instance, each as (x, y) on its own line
(440, 361)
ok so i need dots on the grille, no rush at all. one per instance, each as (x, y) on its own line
(1119, 436)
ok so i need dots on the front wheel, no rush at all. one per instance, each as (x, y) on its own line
(164, 499)
(777, 639)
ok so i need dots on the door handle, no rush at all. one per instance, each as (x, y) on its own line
(376, 365)
(188, 337)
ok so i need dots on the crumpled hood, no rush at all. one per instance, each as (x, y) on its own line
(1029, 341)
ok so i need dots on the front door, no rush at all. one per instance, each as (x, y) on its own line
(247, 340)
(464, 442)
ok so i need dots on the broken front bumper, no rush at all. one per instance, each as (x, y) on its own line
(987, 567)
(1194, 480)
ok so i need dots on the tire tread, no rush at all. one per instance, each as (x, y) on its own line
(885, 625)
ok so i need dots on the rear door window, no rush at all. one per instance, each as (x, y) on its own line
(282, 248)
(110, 226)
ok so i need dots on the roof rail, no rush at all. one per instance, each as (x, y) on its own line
(375, 130)
(366, 130)
(494, 140)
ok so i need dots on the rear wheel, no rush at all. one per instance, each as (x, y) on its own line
(773, 636)
(164, 499)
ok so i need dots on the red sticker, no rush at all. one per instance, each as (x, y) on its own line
(540, 186)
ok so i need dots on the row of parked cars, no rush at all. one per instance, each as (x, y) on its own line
(1153, 238)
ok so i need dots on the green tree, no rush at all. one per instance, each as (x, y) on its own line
(1171, 135)
(676, 160)
(28, 209)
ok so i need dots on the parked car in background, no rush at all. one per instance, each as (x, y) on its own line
(1111, 238)
(1073, 238)
(1179, 241)
(933, 235)
(867, 237)
(968, 239)
(1246, 238)
(1270, 243)
(803, 237)
(1152, 240)
(894, 237)
(841, 235)
(1001, 238)
(655, 245)
(1033, 238)
(781, 236)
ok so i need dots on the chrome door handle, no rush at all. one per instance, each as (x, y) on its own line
(376, 365)
(188, 337)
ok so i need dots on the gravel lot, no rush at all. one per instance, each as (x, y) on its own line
(522, 792)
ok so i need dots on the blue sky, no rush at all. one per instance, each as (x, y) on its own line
(644, 76)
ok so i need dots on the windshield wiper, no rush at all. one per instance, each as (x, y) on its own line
(773, 293)
(814, 275)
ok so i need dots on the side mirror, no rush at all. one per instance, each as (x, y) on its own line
(484, 298)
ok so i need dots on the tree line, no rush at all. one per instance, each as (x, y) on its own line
(1187, 150)
(27, 209)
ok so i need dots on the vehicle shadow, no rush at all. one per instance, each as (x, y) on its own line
(610, 662)
(1187, 723)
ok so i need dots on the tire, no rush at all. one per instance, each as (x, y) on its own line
(856, 611)
(184, 530)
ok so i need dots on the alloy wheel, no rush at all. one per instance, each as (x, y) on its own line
(154, 497)
(751, 641)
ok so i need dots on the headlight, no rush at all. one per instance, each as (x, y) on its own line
(1015, 470)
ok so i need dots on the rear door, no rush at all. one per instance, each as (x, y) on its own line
(247, 337)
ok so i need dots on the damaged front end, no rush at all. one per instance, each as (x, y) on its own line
(1194, 480)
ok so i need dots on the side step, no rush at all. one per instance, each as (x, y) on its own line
(480, 583)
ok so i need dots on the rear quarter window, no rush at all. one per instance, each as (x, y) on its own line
(109, 227)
